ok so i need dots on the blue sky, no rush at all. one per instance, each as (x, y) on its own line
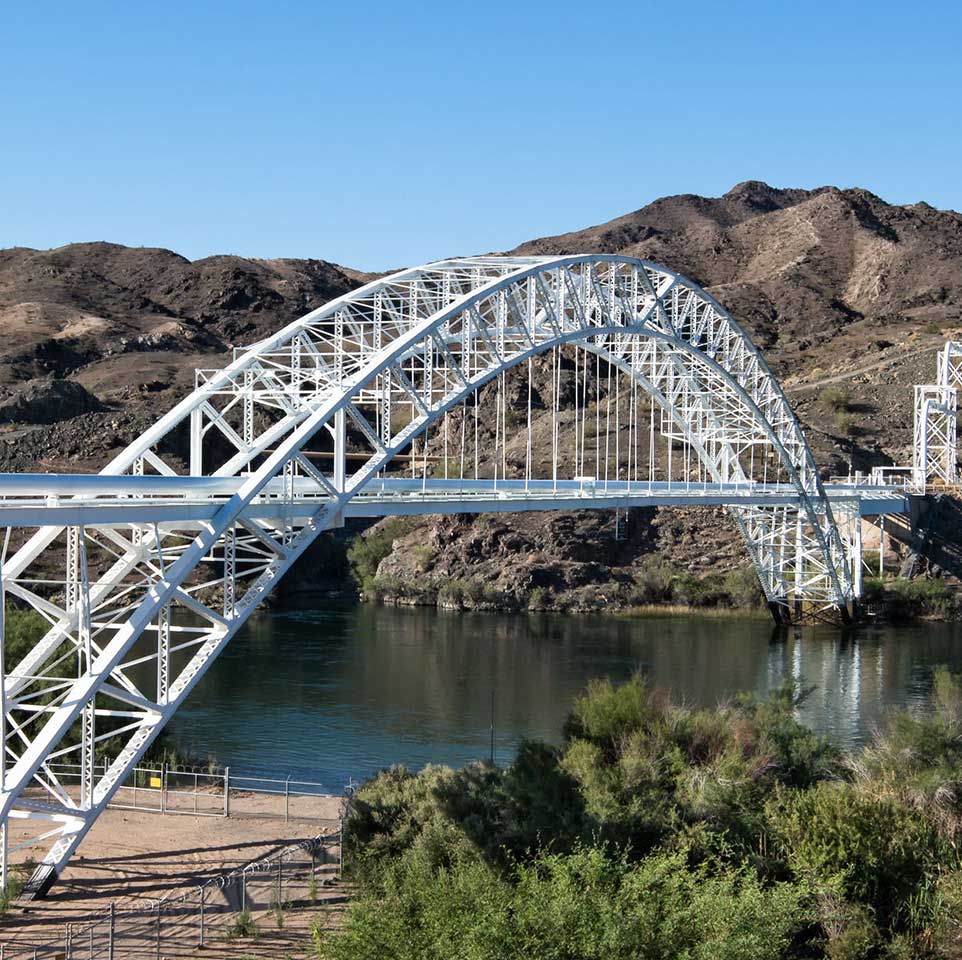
(378, 134)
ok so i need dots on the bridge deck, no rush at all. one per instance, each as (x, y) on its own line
(51, 499)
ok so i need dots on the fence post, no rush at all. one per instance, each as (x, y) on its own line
(110, 933)
(340, 845)
(243, 903)
(226, 791)
(66, 941)
(163, 788)
(287, 798)
(202, 894)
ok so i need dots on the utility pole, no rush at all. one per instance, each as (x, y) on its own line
(492, 728)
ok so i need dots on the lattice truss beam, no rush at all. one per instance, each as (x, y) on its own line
(935, 458)
(136, 612)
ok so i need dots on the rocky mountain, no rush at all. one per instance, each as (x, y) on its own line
(836, 286)
(840, 289)
(99, 339)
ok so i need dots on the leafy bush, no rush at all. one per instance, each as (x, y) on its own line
(845, 423)
(662, 831)
(836, 397)
(875, 852)
(581, 906)
(656, 581)
(453, 593)
(744, 589)
(653, 582)
(23, 627)
(422, 592)
(424, 556)
(243, 925)
(368, 550)
(923, 597)
(538, 598)
(916, 759)
(707, 591)
(644, 765)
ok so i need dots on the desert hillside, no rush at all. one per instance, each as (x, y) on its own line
(837, 287)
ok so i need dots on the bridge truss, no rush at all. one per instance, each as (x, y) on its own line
(531, 377)
(935, 459)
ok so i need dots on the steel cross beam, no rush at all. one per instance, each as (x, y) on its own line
(148, 599)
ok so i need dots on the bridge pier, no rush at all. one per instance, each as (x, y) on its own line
(779, 613)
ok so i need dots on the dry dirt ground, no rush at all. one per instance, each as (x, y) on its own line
(136, 858)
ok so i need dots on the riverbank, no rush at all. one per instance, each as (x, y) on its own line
(395, 562)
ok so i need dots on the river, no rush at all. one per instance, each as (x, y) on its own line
(338, 693)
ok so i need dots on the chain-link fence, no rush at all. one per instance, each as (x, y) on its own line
(230, 906)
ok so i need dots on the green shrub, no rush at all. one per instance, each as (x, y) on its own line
(656, 581)
(845, 423)
(653, 582)
(15, 882)
(23, 627)
(657, 830)
(916, 758)
(423, 556)
(366, 551)
(394, 588)
(644, 765)
(243, 925)
(453, 593)
(874, 852)
(707, 591)
(744, 589)
(580, 906)
(923, 597)
(538, 598)
(835, 397)
(850, 930)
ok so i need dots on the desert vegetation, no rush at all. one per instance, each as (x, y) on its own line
(657, 830)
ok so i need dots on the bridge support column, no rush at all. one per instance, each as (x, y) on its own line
(779, 613)
(340, 461)
(340, 449)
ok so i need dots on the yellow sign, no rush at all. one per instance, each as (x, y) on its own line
(155, 782)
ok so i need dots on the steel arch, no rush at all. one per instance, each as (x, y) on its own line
(426, 339)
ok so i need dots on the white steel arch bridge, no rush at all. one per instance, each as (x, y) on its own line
(605, 382)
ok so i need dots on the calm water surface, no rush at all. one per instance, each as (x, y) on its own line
(342, 692)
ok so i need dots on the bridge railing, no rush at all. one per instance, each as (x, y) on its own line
(899, 478)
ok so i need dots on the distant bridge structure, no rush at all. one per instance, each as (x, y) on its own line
(497, 383)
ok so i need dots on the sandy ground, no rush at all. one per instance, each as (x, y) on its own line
(136, 858)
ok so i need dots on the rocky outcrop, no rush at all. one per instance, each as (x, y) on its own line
(48, 401)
